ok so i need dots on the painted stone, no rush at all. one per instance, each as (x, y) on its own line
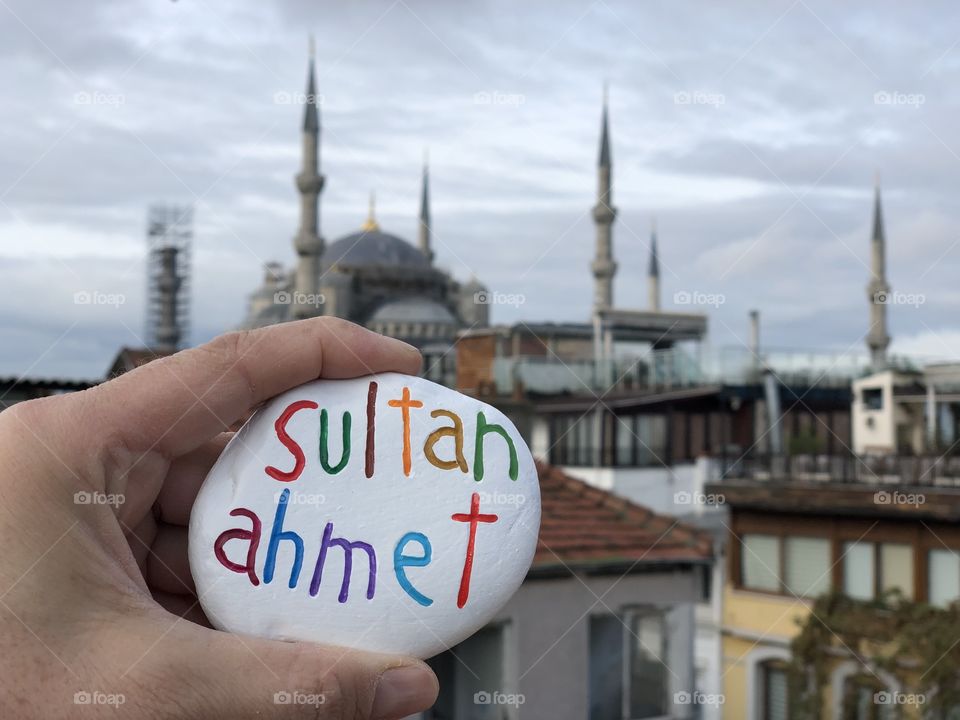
(385, 513)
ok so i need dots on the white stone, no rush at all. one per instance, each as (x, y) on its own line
(378, 510)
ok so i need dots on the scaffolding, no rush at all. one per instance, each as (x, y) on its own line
(169, 249)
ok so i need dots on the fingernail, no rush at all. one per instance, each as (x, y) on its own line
(403, 691)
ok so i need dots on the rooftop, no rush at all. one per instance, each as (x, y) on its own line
(587, 528)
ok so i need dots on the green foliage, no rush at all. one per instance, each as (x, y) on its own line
(914, 642)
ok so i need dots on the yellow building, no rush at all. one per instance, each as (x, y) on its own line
(847, 526)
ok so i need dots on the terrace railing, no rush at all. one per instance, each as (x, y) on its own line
(679, 367)
(894, 470)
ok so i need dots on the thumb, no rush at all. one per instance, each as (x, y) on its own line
(246, 677)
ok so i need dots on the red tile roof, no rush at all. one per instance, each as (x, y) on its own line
(585, 526)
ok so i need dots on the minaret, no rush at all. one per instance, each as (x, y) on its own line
(424, 237)
(878, 291)
(653, 271)
(604, 213)
(308, 243)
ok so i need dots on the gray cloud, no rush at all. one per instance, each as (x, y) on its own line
(722, 115)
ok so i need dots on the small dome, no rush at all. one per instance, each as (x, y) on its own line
(413, 310)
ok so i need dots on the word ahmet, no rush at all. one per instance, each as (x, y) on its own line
(413, 549)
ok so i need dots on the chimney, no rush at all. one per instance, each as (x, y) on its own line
(755, 335)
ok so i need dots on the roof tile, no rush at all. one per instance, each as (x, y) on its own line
(582, 524)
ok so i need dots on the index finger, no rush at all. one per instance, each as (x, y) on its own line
(175, 404)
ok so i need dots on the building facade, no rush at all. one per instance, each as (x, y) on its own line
(602, 627)
(860, 531)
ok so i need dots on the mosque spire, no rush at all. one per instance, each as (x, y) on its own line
(878, 235)
(424, 236)
(371, 224)
(604, 213)
(653, 270)
(604, 160)
(878, 289)
(311, 115)
(308, 242)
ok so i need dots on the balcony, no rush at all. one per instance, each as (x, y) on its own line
(680, 367)
(931, 471)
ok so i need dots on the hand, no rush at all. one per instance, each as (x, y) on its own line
(97, 605)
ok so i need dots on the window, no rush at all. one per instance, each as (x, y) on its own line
(871, 569)
(584, 446)
(472, 668)
(761, 562)
(567, 441)
(624, 433)
(652, 432)
(872, 398)
(774, 702)
(790, 565)
(944, 577)
(859, 576)
(808, 566)
(640, 440)
(896, 568)
(648, 669)
(860, 700)
(628, 672)
(606, 667)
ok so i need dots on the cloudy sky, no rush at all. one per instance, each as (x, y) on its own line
(751, 131)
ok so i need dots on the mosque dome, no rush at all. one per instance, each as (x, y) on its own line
(371, 246)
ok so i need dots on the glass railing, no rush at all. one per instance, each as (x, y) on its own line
(682, 367)
(894, 470)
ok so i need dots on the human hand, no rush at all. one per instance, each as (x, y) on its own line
(97, 606)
